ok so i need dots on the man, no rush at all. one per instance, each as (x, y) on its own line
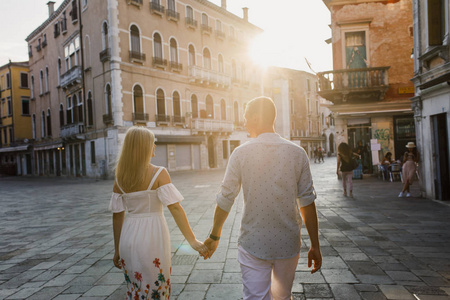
(276, 179)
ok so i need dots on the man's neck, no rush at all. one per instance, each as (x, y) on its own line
(263, 130)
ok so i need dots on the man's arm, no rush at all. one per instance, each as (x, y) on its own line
(309, 216)
(220, 216)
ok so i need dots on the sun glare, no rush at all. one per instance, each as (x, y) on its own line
(259, 51)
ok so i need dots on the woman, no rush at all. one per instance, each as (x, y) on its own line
(385, 163)
(141, 239)
(344, 164)
(410, 158)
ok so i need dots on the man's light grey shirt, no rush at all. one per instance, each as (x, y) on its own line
(274, 174)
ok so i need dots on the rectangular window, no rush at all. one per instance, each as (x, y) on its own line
(8, 81)
(24, 80)
(5, 137)
(25, 106)
(355, 50)
(9, 106)
(93, 152)
(11, 137)
(436, 22)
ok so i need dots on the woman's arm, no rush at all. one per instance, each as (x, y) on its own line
(117, 229)
(180, 218)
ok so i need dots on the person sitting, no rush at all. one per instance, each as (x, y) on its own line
(386, 163)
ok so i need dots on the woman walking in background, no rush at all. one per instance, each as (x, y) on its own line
(141, 240)
(410, 158)
(345, 164)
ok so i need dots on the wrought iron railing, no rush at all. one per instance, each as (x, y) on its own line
(206, 28)
(108, 119)
(140, 116)
(105, 55)
(134, 55)
(156, 7)
(158, 61)
(191, 22)
(178, 119)
(173, 14)
(174, 65)
(162, 118)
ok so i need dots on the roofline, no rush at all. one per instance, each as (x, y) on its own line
(293, 70)
(48, 21)
(15, 64)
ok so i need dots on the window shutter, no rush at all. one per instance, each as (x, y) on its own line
(434, 23)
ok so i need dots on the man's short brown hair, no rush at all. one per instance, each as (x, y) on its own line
(264, 107)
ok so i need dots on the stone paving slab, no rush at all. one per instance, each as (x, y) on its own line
(56, 241)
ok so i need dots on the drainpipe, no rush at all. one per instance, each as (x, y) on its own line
(11, 138)
(82, 62)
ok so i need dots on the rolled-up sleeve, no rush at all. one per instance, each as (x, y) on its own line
(306, 194)
(231, 184)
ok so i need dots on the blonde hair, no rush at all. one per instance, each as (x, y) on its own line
(264, 107)
(134, 157)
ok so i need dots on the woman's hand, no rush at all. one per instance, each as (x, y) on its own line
(200, 247)
(116, 260)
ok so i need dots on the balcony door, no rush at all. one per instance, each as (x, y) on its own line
(441, 156)
(355, 50)
(138, 100)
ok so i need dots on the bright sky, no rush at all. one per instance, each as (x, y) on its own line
(293, 30)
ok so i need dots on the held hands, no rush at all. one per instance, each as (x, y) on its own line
(212, 246)
(116, 260)
(200, 247)
(314, 255)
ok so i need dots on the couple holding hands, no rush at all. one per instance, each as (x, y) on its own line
(278, 193)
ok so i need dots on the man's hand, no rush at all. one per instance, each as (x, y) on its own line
(314, 255)
(212, 246)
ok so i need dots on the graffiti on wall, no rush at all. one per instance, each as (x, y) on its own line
(383, 136)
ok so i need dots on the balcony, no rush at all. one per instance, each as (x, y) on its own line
(175, 66)
(73, 131)
(211, 125)
(173, 15)
(44, 44)
(140, 117)
(105, 55)
(354, 85)
(162, 119)
(71, 77)
(108, 119)
(206, 29)
(38, 48)
(157, 8)
(208, 77)
(158, 62)
(136, 56)
(179, 120)
(220, 34)
(138, 3)
(191, 23)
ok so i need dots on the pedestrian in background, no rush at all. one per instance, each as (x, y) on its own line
(321, 154)
(276, 180)
(410, 158)
(141, 239)
(346, 164)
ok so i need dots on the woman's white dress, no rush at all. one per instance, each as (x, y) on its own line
(144, 246)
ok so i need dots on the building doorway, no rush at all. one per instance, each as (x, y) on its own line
(441, 156)
(211, 152)
(359, 139)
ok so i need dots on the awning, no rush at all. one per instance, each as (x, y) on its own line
(179, 139)
(47, 147)
(14, 149)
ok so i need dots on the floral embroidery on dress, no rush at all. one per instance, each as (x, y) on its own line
(134, 286)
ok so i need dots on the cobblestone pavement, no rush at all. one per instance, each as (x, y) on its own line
(56, 242)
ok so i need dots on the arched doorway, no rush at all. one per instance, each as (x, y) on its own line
(211, 157)
(331, 141)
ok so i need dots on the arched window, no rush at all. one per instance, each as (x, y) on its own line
(80, 111)
(41, 82)
(194, 106)
(157, 46)
(49, 123)
(223, 110)
(176, 107)
(61, 115)
(69, 110)
(209, 107)
(191, 55)
(43, 124)
(108, 100)
(58, 71)
(206, 59)
(46, 79)
(87, 51)
(220, 64)
(236, 112)
(233, 69)
(138, 99)
(160, 103)
(105, 42)
(135, 39)
(33, 125)
(32, 87)
(173, 51)
(204, 19)
(90, 109)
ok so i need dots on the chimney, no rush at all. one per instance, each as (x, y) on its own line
(224, 4)
(245, 9)
(51, 7)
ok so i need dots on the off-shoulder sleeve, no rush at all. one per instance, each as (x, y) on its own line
(116, 203)
(168, 194)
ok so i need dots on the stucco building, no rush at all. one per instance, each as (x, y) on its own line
(15, 119)
(370, 83)
(178, 67)
(431, 102)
